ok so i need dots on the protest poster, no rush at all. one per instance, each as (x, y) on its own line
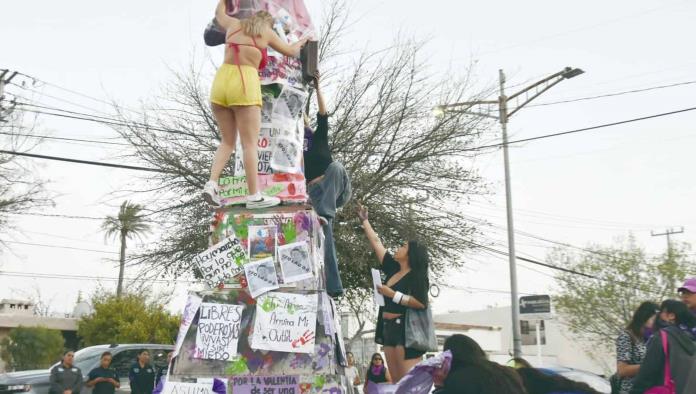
(187, 388)
(265, 385)
(190, 309)
(264, 149)
(288, 187)
(376, 282)
(289, 103)
(218, 331)
(222, 261)
(295, 262)
(262, 242)
(286, 155)
(285, 322)
(261, 276)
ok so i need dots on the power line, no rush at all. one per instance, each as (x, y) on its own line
(62, 216)
(612, 94)
(88, 162)
(56, 246)
(590, 128)
(48, 137)
(36, 275)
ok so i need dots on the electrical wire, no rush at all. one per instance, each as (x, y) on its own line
(36, 275)
(48, 137)
(78, 161)
(590, 128)
(612, 94)
(62, 216)
(57, 246)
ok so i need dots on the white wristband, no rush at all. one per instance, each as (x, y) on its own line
(405, 300)
(397, 297)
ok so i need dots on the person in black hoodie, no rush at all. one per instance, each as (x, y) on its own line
(472, 373)
(681, 343)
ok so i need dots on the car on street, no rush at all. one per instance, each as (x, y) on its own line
(595, 381)
(37, 381)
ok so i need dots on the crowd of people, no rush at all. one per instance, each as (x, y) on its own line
(144, 378)
(658, 347)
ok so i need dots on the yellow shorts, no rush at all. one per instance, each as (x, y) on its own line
(236, 85)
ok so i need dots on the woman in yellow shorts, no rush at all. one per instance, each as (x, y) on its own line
(236, 97)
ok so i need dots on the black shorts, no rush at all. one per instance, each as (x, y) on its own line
(394, 332)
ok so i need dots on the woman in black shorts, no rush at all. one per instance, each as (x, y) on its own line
(406, 286)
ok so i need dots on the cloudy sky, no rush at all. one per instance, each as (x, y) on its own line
(585, 188)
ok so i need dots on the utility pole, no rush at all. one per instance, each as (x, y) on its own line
(505, 111)
(667, 234)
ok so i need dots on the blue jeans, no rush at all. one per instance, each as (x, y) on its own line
(327, 195)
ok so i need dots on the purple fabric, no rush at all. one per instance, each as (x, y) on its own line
(377, 369)
(419, 380)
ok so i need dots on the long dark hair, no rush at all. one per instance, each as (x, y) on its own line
(681, 312)
(419, 260)
(645, 311)
(372, 364)
(537, 382)
(466, 353)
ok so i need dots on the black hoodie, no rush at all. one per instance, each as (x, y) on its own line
(682, 357)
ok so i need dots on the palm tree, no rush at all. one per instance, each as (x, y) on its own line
(128, 224)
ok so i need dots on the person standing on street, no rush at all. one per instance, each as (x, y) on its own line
(630, 344)
(687, 293)
(65, 377)
(142, 374)
(677, 356)
(103, 379)
(352, 374)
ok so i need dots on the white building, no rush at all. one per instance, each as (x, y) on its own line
(559, 347)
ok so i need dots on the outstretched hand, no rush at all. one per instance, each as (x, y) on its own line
(317, 79)
(362, 212)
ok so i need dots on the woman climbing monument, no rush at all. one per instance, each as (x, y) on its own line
(236, 97)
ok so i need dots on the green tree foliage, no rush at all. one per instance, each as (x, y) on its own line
(619, 278)
(129, 223)
(130, 318)
(31, 348)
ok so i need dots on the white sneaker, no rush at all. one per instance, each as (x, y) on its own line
(264, 202)
(211, 193)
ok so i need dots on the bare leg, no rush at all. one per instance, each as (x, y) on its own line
(394, 361)
(408, 364)
(249, 125)
(228, 132)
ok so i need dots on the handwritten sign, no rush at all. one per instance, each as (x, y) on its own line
(285, 322)
(287, 154)
(295, 263)
(192, 304)
(218, 331)
(186, 388)
(266, 385)
(222, 261)
(261, 276)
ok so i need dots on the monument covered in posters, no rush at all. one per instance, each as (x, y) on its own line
(266, 323)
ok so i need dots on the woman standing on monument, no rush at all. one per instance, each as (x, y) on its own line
(406, 286)
(236, 97)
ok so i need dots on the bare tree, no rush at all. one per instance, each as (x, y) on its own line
(412, 169)
(20, 187)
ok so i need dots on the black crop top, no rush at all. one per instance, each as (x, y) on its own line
(405, 285)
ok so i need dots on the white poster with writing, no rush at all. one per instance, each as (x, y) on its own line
(261, 276)
(222, 261)
(285, 322)
(295, 262)
(192, 304)
(376, 282)
(218, 331)
(186, 388)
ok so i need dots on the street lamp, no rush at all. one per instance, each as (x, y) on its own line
(520, 99)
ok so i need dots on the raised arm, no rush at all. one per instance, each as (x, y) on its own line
(221, 16)
(376, 244)
(320, 95)
(277, 43)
